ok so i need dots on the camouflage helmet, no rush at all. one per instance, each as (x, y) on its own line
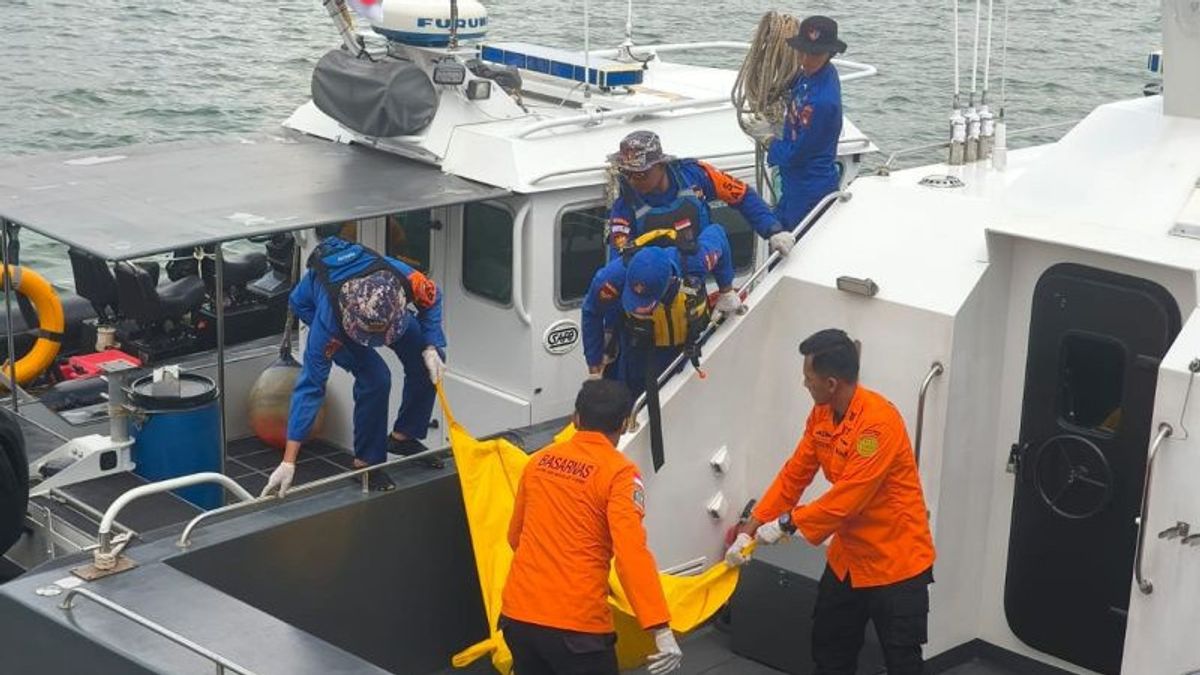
(639, 151)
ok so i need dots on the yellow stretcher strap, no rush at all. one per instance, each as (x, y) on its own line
(489, 472)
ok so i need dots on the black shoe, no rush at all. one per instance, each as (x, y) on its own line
(411, 446)
(377, 481)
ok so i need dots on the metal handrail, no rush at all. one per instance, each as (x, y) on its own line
(597, 117)
(798, 232)
(866, 143)
(602, 167)
(104, 534)
(518, 281)
(185, 537)
(934, 370)
(1144, 584)
(223, 664)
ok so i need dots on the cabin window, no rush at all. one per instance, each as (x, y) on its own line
(741, 236)
(408, 238)
(1091, 380)
(487, 262)
(348, 230)
(581, 251)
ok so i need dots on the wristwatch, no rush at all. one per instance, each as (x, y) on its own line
(786, 524)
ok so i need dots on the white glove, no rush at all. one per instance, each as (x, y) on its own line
(769, 533)
(729, 302)
(434, 364)
(281, 479)
(781, 242)
(760, 130)
(734, 556)
(669, 655)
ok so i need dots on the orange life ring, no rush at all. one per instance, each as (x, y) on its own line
(50, 324)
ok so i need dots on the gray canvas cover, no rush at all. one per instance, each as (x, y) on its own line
(389, 97)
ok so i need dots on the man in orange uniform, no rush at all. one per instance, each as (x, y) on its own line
(880, 561)
(579, 504)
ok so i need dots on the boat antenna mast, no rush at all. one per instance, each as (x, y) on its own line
(972, 147)
(588, 106)
(958, 123)
(987, 121)
(625, 51)
(1000, 152)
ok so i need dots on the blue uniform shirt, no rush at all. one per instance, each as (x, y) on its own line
(807, 151)
(602, 305)
(311, 304)
(709, 183)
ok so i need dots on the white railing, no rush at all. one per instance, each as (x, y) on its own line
(857, 70)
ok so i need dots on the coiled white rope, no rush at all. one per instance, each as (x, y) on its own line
(771, 65)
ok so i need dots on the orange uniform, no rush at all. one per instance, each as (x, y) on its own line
(580, 502)
(875, 509)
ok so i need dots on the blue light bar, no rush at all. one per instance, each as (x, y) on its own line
(563, 64)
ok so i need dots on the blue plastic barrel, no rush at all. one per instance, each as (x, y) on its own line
(179, 435)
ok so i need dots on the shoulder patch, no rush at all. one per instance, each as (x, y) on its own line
(608, 292)
(729, 189)
(424, 290)
(806, 115)
(868, 444)
(639, 493)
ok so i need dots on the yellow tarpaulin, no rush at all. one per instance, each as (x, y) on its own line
(489, 472)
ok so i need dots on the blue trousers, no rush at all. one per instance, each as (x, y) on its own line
(799, 197)
(372, 385)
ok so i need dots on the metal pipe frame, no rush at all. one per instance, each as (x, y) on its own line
(798, 232)
(87, 509)
(110, 515)
(223, 664)
(518, 274)
(934, 370)
(595, 118)
(720, 155)
(8, 293)
(861, 70)
(219, 300)
(1145, 585)
(603, 167)
(185, 537)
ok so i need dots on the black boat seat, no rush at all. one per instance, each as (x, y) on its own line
(240, 268)
(94, 282)
(141, 300)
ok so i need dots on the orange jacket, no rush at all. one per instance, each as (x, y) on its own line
(875, 510)
(580, 502)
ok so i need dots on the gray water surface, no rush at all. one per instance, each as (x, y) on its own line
(78, 74)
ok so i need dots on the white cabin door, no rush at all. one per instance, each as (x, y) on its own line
(487, 323)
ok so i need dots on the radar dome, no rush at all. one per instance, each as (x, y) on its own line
(426, 23)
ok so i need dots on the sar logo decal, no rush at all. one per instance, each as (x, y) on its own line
(868, 445)
(561, 337)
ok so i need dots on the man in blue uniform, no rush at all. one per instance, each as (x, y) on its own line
(354, 300)
(806, 152)
(657, 191)
(652, 303)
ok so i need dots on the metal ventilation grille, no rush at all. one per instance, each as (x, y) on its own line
(942, 182)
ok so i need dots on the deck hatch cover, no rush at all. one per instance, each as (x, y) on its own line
(140, 200)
